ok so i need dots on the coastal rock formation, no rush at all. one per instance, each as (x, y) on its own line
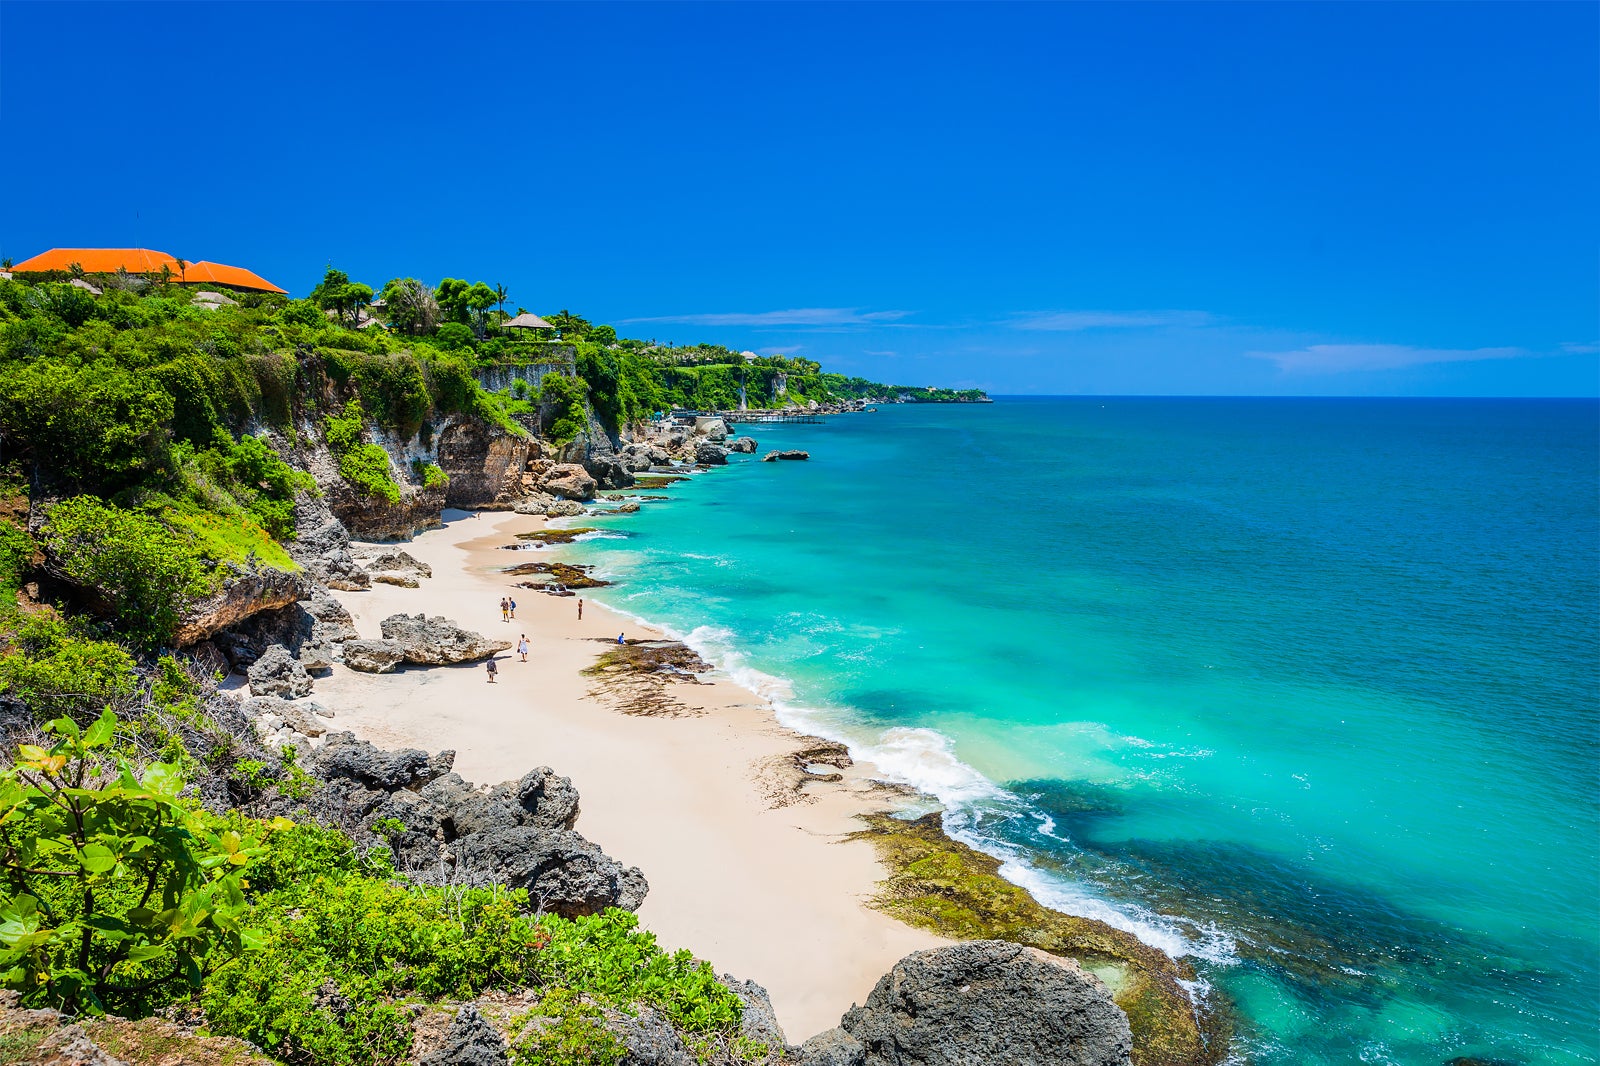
(986, 1001)
(791, 454)
(649, 1037)
(277, 673)
(322, 546)
(708, 454)
(517, 834)
(436, 641)
(610, 471)
(712, 429)
(760, 1021)
(373, 656)
(568, 480)
(746, 445)
(537, 503)
(244, 592)
(484, 463)
(470, 1041)
(279, 721)
(398, 568)
(317, 622)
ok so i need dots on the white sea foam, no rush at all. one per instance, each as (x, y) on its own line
(925, 759)
(600, 534)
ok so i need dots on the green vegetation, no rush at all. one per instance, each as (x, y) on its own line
(942, 885)
(118, 897)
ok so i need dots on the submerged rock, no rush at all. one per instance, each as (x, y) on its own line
(791, 454)
(437, 641)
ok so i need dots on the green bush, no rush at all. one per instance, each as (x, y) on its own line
(145, 572)
(564, 1031)
(367, 469)
(56, 672)
(431, 476)
(16, 551)
(115, 897)
(561, 401)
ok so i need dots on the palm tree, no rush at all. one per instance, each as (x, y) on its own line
(500, 295)
(182, 266)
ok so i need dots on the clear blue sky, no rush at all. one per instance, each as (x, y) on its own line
(1161, 198)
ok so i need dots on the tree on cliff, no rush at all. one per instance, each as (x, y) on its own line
(337, 293)
(410, 306)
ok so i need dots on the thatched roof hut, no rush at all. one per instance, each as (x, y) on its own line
(527, 320)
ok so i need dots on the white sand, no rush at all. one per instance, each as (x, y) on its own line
(770, 895)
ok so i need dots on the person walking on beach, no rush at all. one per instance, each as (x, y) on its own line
(522, 647)
(493, 669)
(505, 610)
(580, 610)
(513, 604)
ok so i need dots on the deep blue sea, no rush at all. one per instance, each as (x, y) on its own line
(1308, 689)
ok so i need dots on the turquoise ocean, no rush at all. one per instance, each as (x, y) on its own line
(1307, 689)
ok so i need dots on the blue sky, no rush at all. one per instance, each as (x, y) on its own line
(1093, 198)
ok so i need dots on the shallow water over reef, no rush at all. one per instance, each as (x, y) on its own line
(1305, 687)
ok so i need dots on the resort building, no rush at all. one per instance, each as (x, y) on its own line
(144, 262)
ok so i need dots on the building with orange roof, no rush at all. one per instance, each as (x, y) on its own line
(147, 263)
(99, 261)
(207, 273)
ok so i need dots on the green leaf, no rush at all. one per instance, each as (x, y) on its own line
(102, 731)
(163, 779)
(97, 858)
(63, 725)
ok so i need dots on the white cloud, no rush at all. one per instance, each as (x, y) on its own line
(1075, 321)
(1341, 358)
(1572, 348)
(800, 316)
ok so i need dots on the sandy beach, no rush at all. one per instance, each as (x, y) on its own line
(770, 894)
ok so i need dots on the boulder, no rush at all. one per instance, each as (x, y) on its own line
(793, 454)
(436, 641)
(563, 872)
(628, 508)
(569, 480)
(746, 445)
(373, 656)
(351, 762)
(538, 503)
(470, 1041)
(277, 673)
(610, 471)
(986, 1001)
(708, 454)
(317, 658)
(564, 509)
(400, 562)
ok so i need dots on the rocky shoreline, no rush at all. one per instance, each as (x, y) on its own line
(989, 999)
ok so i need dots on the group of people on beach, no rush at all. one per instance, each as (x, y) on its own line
(508, 611)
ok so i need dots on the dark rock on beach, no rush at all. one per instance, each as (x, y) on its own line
(322, 546)
(982, 1002)
(318, 621)
(277, 673)
(517, 834)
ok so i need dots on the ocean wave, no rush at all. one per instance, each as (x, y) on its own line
(599, 534)
(925, 759)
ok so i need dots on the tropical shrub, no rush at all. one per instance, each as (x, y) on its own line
(145, 572)
(115, 897)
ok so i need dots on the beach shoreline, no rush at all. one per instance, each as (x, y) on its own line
(752, 863)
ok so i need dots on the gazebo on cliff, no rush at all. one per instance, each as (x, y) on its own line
(530, 326)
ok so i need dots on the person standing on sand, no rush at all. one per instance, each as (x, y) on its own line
(505, 611)
(522, 647)
(513, 604)
(580, 610)
(493, 669)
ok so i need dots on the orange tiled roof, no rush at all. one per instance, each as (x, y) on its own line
(99, 261)
(204, 272)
